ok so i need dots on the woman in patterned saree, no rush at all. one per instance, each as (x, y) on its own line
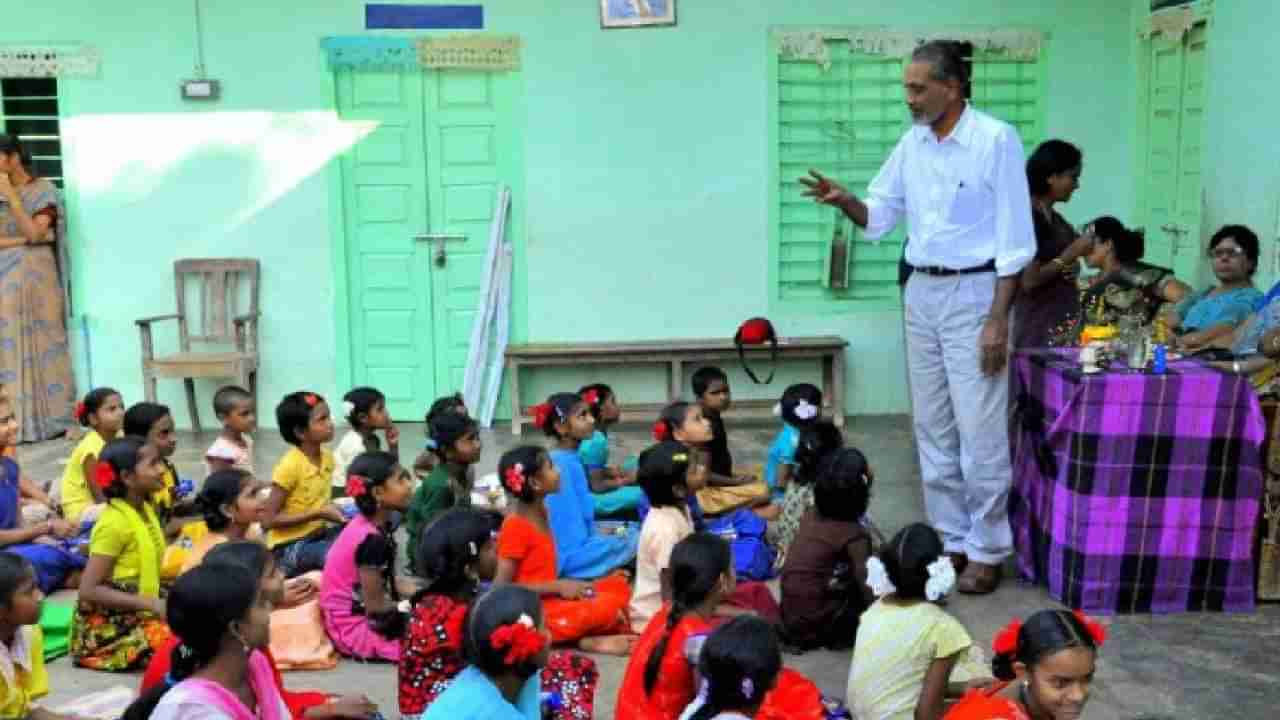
(35, 359)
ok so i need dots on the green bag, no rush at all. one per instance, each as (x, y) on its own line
(55, 621)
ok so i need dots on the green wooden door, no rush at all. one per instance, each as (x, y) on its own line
(424, 178)
(385, 207)
(470, 155)
(1171, 192)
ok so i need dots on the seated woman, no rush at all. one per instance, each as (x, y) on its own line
(1211, 315)
(1126, 286)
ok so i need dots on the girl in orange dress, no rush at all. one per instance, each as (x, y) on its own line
(1046, 666)
(592, 614)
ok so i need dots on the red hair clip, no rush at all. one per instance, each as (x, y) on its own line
(661, 431)
(521, 639)
(541, 413)
(1006, 641)
(591, 397)
(1095, 628)
(80, 411)
(104, 474)
(310, 399)
(357, 485)
(514, 478)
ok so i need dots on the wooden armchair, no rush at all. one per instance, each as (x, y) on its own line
(217, 298)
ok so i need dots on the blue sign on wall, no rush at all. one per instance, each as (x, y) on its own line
(423, 17)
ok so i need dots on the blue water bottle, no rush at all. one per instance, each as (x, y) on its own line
(1160, 359)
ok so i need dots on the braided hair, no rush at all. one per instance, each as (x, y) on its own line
(697, 564)
(907, 558)
(518, 467)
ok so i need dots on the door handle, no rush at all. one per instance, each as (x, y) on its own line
(440, 257)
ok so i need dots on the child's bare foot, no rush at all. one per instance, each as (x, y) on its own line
(609, 644)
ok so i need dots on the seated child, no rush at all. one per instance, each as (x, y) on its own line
(178, 516)
(260, 563)
(685, 423)
(1053, 655)
(220, 670)
(668, 476)
(102, 410)
(813, 445)
(581, 551)
(711, 388)
(233, 448)
(359, 592)
(591, 614)
(426, 460)
(43, 545)
(740, 664)
(118, 620)
(824, 588)
(457, 553)
(231, 502)
(506, 642)
(659, 681)
(301, 523)
(613, 489)
(365, 410)
(455, 441)
(22, 641)
(907, 645)
(800, 407)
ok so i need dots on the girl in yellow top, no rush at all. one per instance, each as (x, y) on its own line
(23, 678)
(118, 621)
(102, 410)
(299, 518)
(906, 644)
(183, 526)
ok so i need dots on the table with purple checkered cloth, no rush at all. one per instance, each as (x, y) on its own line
(1135, 492)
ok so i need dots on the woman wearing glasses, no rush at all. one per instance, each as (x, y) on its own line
(1124, 286)
(1209, 317)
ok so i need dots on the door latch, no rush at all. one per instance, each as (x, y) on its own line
(440, 257)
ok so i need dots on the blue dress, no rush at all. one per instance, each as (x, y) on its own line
(781, 452)
(52, 562)
(473, 696)
(582, 553)
(1200, 312)
(594, 452)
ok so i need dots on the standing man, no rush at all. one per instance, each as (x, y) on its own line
(959, 178)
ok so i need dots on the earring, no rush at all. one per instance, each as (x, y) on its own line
(235, 634)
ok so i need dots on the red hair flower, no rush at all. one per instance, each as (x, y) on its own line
(521, 639)
(1006, 641)
(80, 411)
(591, 397)
(357, 485)
(515, 478)
(541, 413)
(1095, 628)
(104, 474)
(311, 399)
(661, 431)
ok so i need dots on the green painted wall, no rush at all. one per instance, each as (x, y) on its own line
(645, 164)
(1241, 182)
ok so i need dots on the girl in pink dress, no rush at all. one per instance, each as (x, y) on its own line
(358, 592)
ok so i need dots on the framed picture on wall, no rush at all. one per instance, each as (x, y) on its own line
(637, 13)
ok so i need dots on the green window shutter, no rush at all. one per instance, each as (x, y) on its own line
(29, 109)
(844, 121)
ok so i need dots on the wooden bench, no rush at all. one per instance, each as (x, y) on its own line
(674, 355)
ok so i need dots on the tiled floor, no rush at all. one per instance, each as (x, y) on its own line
(1186, 666)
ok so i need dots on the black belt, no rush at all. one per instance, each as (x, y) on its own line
(939, 271)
